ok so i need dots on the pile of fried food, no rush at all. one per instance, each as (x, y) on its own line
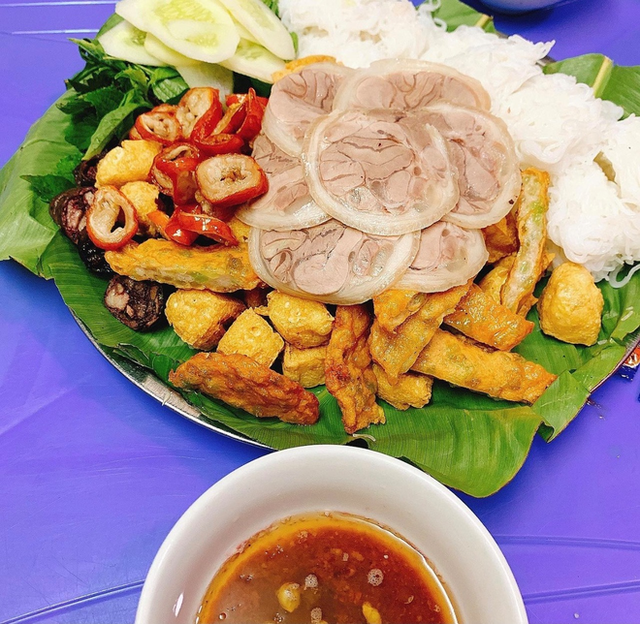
(158, 212)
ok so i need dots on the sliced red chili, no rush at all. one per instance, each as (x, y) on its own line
(112, 220)
(215, 144)
(199, 111)
(232, 119)
(173, 171)
(208, 226)
(233, 98)
(230, 179)
(254, 112)
(159, 124)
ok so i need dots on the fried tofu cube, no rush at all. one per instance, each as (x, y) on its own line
(570, 306)
(300, 322)
(201, 317)
(306, 366)
(129, 162)
(252, 336)
(409, 390)
(144, 197)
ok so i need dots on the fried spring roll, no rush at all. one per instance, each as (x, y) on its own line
(528, 266)
(496, 373)
(348, 370)
(217, 268)
(393, 307)
(242, 382)
(396, 351)
(481, 318)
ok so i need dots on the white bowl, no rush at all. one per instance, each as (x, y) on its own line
(331, 478)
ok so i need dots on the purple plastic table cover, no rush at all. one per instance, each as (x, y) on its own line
(94, 473)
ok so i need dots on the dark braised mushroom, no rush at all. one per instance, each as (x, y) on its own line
(92, 256)
(138, 305)
(85, 173)
(68, 211)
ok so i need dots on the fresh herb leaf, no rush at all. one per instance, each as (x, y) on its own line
(47, 186)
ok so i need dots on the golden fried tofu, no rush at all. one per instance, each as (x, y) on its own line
(144, 197)
(396, 351)
(570, 307)
(129, 162)
(201, 317)
(496, 373)
(300, 322)
(393, 307)
(483, 319)
(501, 239)
(348, 371)
(216, 268)
(528, 265)
(409, 390)
(242, 382)
(252, 336)
(306, 366)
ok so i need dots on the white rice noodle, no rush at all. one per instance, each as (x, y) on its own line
(622, 150)
(358, 32)
(555, 121)
(501, 65)
(589, 220)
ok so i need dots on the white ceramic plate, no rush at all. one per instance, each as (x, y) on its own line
(331, 478)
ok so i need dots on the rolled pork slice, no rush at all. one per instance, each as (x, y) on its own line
(409, 84)
(448, 256)
(287, 204)
(382, 172)
(484, 154)
(297, 100)
(331, 262)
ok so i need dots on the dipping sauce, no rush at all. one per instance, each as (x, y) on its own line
(326, 568)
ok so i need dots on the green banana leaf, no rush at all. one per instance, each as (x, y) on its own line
(467, 441)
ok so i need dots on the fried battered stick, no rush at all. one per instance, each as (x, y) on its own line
(219, 269)
(410, 390)
(496, 373)
(393, 307)
(348, 371)
(242, 382)
(501, 238)
(396, 351)
(481, 318)
(528, 265)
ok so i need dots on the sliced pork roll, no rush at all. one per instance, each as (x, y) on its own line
(448, 256)
(330, 262)
(406, 85)
(381, 172)
(484, 154)
(299, 99)
(287, 204)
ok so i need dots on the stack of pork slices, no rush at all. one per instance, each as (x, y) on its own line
(377, 177)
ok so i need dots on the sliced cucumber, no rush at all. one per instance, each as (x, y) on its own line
(263, 24)
(198, 29)
(125, 41)
(254, 61)
(156, 48)
(243, 32)
(208, 75)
